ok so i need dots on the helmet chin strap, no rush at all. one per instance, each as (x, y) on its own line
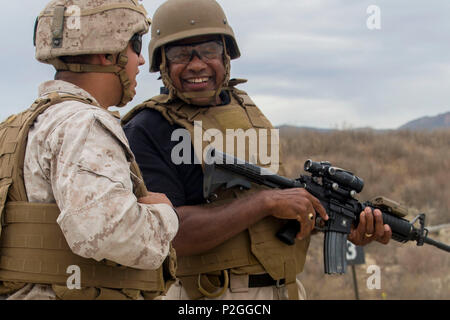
(118, 69)
(188, 97)
(127, 93)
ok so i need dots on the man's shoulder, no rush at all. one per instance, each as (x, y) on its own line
(157, 103)
(76, 111)
(145, 117)
(74, 116)
(151, 123)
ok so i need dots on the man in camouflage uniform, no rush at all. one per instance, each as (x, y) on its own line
(81, 201)
(226, 246)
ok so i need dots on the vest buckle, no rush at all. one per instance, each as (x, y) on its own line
(280, 283)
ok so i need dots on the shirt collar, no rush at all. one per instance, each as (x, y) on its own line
(64, 87)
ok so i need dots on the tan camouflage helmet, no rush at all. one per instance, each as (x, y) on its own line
(82, 27)
(176, 20)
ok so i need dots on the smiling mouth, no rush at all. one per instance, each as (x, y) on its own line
(197, 80)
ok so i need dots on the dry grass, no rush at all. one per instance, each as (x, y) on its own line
(410, 167)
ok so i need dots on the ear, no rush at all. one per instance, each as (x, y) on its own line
(106, 59)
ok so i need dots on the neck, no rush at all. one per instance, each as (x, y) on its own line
(104, 87)
(199, 100)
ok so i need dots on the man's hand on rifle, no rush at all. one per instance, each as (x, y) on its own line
(370, 228)
(297, 204)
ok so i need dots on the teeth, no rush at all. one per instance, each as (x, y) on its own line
(197, 80)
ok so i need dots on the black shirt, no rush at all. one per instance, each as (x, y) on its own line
(149, 135)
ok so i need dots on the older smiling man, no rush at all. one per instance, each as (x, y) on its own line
(226, 246)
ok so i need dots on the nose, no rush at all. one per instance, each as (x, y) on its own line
(196, 64)
(141, 60)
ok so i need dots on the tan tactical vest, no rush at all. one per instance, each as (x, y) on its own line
(32, 246)
(256, 250)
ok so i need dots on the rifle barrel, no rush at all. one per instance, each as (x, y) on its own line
(438, 244)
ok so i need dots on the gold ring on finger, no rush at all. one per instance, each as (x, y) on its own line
(369, 235)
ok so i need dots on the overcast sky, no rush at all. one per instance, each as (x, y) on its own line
(308, 62)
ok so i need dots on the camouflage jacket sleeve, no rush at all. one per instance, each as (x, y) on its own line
(87, 159)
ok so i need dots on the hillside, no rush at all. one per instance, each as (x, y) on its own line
(441, 121)
(429, 123)
(412, 167)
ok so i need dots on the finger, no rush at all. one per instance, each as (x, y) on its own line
(361, 229)
(358, 236)
(304, 232)
(307, 225)
(387, 235)
(155, 198)
(307, 217)
(353, 235)
(318, 206)
(321, 210)
(143, 199)
(312, 216)
(379, 227)
(369, 221)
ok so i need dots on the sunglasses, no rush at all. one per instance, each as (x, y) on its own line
(183, 54)
(136, 43)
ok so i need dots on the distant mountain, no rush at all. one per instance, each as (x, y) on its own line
(429, 123)
(441, 121)
(289, 129)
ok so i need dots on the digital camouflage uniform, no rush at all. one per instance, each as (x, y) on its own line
(78, 157)
(69, 183)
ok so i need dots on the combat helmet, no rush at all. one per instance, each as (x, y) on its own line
(176, 20)
(83, 27)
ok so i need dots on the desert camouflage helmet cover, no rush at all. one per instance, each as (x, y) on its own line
(180, 19)
(82, 27)
(78, 27)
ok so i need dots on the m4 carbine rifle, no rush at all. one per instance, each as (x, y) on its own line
(334, 187)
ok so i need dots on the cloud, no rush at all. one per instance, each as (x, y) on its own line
(321, 113)
(298, 55)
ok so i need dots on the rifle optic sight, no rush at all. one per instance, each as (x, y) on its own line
(345, 179)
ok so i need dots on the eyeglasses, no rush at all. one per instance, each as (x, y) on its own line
(136, 43)
(183, 54)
